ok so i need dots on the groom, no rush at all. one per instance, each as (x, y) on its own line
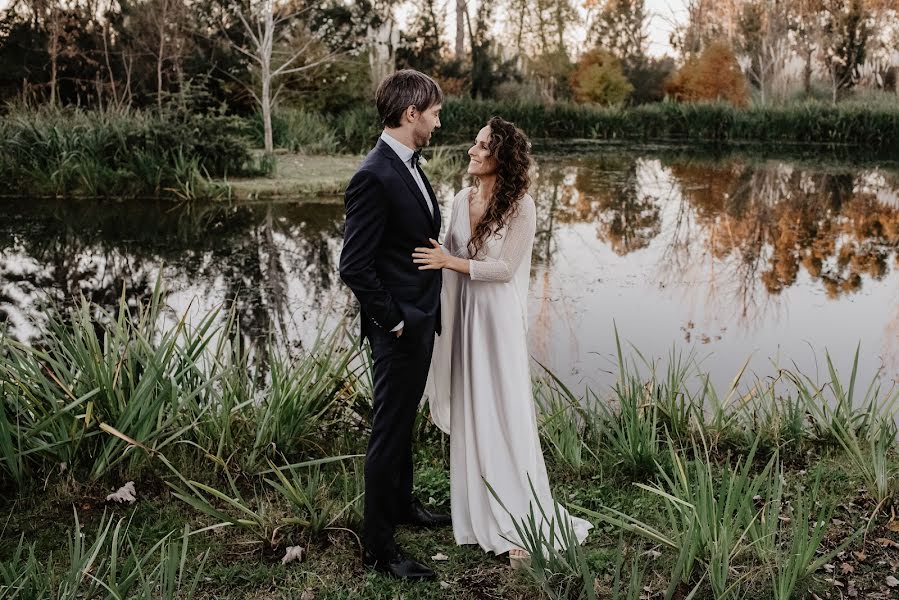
(390, 210)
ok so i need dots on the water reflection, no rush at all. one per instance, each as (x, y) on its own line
(277, 262)
(740, 253)
(728, 249)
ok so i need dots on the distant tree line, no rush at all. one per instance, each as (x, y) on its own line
(325, 56)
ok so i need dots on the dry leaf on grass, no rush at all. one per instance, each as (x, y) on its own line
(892, 581)
(308, 595)
(293, 553)
(444, 585)
(846, 568)
(893, 526)
(887, 543)
(125, 493)
(440, 556)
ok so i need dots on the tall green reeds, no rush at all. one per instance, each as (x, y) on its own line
(875, 127)
(57, 152)
(105, 392)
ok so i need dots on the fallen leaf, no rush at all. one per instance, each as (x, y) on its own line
(444, 585)
(653, 554)
(860, 556)
(828, 567)
(837, 522)
(440, 556)
(293, 553)
(892, 581)
(125, 493)
(846, 568)
(887, 543)
(308, 595)
(893, 526)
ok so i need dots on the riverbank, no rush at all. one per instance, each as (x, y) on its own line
(774, 490)
(187, 156)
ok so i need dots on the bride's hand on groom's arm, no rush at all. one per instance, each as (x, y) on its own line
(435, 258)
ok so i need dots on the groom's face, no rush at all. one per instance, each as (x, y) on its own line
(424, 124)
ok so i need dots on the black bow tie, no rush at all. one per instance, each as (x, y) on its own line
(416, 156)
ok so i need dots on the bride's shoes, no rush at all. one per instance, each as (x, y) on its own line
(519, 559)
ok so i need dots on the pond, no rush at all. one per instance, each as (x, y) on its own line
(733, 258)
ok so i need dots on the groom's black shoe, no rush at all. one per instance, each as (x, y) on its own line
(396, 565)
(422, 517)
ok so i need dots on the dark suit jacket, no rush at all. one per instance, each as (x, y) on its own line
(386, 219)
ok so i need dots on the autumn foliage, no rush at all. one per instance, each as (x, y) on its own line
(715, 76)
(598, 78)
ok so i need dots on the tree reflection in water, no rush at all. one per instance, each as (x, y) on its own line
(277, 262)
(752, 225)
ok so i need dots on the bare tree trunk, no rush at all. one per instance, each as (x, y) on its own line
(560, 26)
(112, 85)
(266, 70)
(807, 73)
(461, 13)
(833, 83)
(160, 55)
(54, 55)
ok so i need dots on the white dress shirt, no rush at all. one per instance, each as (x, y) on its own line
(405, 153)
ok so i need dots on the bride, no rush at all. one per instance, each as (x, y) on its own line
(479, 384)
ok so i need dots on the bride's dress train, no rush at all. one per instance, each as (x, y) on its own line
(479, 388)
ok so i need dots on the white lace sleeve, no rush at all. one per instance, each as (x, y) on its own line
(517, 245)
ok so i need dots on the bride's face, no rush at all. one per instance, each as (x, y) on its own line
(481, 163)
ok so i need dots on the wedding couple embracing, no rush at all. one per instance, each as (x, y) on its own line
(448, 323)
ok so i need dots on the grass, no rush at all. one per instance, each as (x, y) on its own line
(762, 493)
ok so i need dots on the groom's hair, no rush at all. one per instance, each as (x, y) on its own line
(403, 89)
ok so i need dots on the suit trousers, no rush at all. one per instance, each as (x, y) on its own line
(400, 369)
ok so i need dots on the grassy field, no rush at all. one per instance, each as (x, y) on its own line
(771, 489)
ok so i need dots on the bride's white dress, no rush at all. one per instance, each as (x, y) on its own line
(479, 387)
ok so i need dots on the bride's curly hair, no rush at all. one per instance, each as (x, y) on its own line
(511, 149)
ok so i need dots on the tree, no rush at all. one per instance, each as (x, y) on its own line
(713, 76)
(621, 28)
(461, 20)
(844, 36)
(598, 78)
(422, 46)
(804, 25)
(763, 40)
(158, 29)
(279, 45)
(488, 69)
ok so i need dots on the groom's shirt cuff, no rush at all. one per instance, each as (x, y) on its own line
(398, 327)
